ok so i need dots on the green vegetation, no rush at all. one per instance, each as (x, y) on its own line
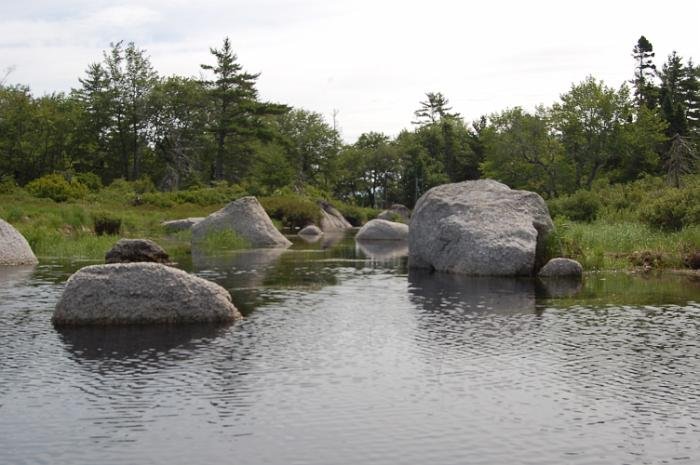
(618, 166)
(224, 240)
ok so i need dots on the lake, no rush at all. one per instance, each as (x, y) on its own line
(346, 356)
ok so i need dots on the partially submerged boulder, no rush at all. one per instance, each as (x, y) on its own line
(311, 230)
(396, 212)
(14, 248)
(480, 228)
(332, 219)
(141, 293)
(382, 230)
(247, 218)
(184, 224)
(136, 250)
(561, 268)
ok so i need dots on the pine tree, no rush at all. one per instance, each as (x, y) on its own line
(237, 112)
(645, 91)
(672, 98)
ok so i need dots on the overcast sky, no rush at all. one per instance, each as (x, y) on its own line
(372, 60)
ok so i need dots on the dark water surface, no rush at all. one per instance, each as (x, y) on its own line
(346, 357)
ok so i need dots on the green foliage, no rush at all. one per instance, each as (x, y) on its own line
(225, 239)
(106, 224)
(356, 216)
(674, 210)
(580, 206)
(8, 185)
(89, 180)
(293, 211)
(55, 187)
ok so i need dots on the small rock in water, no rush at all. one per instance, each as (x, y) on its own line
(382, 230)
(311, 230)
(560, 268)
(136, 250)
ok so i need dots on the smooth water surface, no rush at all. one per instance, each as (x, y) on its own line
(347, 357)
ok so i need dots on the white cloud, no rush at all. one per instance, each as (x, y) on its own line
(371, 59)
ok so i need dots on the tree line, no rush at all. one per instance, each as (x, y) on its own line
(126, 121)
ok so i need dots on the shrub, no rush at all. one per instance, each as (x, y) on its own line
(89, 180)
(673, 210)
(55, 187)
(294, 211)
(143, 185)
(356, 216)
(105, 224)
(7, 185)
(580, 206)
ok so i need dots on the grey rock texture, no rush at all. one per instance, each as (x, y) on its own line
(382, 230)
(396, 212)
(561, 268)
(180, 225)
(136, 250)
(332, 219)
(14, 248)
(248, 219)
(311, 230)
(141, 293)
(480, 228)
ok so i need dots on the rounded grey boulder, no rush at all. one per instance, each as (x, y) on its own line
(480, 228)
(14, 248)
(332, 219)
(141, 293)
(184, 224)
(136, 250)
(247, 218)
(396, 212)
(561, 268)
(382, 230)
(311, 230)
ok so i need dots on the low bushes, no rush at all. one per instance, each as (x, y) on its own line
(56, 187)
(673, 210)
(579, 206)
(293, 211)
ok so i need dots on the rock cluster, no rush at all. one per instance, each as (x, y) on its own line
(382, 230)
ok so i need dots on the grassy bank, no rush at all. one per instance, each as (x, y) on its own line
(66, 229)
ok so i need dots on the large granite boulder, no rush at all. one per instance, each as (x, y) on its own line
(184, 224)
(14, 248)
(561, 268)
(136, 250)
(311, 230)
(382, 230)
(247, 218)
(141, 293)
(332, 219)
(480, 228)
(396, 212)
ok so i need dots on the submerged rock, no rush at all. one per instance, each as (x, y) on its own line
(382, 230)
(136, 250)
(184, 224)
(480, 228)
(332, 219)
(311, 230)
(396, 212)
(561, 268)
(247, 218)
(14, 248)
(141, 293)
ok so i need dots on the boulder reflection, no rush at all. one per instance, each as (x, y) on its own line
(383, 250)
(135, 344)
(435, 292)
(11, 276)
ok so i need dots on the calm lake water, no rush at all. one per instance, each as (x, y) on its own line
(347, 357)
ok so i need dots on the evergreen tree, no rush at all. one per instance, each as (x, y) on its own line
(237, 113)
(682, 158)
(645, 91)
(672, 98)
